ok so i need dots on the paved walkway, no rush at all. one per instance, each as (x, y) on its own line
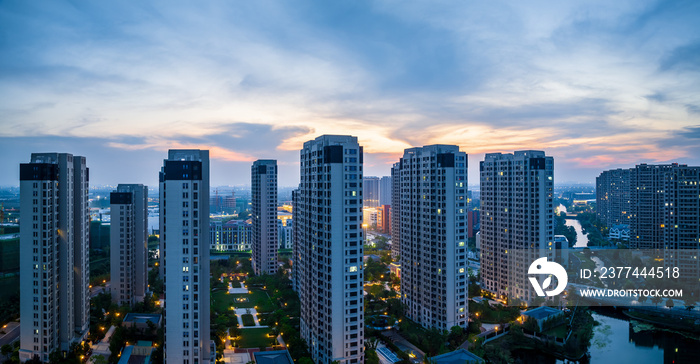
(242, 311)
(237, 290)
(400, 341)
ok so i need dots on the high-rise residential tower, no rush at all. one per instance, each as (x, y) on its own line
(54, 248)
(371, 189)
(613, 197)
(385, 190)
(184, 244)
(296, 251)
(517, 224)
(395, 216)
(264, 214)
(128, 243)
(327, 219)
(433, 235)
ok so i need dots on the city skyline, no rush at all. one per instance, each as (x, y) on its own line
(597, 86)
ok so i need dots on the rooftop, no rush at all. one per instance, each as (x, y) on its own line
(142, 318)
(459, 356)
(542, 312)
(273, 357)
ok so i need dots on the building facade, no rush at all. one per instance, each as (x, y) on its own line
(385, 190)
(264, 215)
(517, 220)
(285, 230)
(371, 190)
(230, 236)
(184, 243)
(54, 248)
(395, 218)
(384, 219)
(433, 238)
(613, 197)
(296, 248)
(128, 243)
(328, 249)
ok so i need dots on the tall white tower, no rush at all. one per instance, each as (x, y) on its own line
(432, 216)
(184, 243)
(264, 213)
(328, 248)
(128, 239)
(517, 220)
(54, 261)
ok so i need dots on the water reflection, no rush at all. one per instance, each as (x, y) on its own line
(618, 341)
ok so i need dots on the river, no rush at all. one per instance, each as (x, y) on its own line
(616, 340)
(581, 238)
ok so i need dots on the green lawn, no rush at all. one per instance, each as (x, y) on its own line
(248, 320)
(222, 301)
(257, 298)
(255, 338)
(559, 331)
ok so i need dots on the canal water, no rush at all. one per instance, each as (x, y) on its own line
(616, 340)
(581, 238)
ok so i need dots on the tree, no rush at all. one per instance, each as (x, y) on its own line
(6, 349)
(669, 303)
(98, 359)
(656, 300)
(689, 302)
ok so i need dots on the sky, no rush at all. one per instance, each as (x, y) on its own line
(595, 84)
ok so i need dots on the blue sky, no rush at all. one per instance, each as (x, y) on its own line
(596, 84)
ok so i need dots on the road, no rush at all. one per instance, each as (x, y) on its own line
(94, 291)
(12, 333)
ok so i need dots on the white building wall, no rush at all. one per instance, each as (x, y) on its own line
(184, 192)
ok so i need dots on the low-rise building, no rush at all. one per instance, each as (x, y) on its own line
(459, 356)
(231, 236)
(619, 232)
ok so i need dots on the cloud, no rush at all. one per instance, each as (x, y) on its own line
(592, 83)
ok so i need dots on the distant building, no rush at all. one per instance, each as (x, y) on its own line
(385, 190)
(128, 241)
(285, 233)
(613, 197)
(472, 222)
(619, 232)
(561, 249)
(54, 258)
(656, 192)
(296, 242)
(225, 204)
(265, 242)
(517, 220)
(371, 191)
(395, 211)
(369, 217)
(384, 219)
(433, 236)
(231, 236)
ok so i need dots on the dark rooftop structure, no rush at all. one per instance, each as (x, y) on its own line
(459, 356)
(273, 357)
(540, 313)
